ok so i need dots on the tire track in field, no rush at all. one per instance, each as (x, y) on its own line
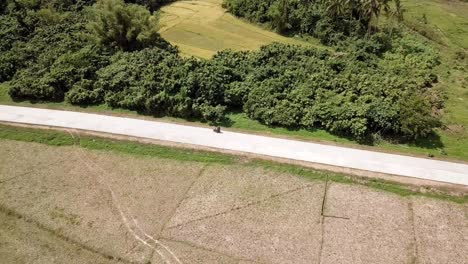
(132, 226)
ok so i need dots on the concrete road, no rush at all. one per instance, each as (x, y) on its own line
(296, 150)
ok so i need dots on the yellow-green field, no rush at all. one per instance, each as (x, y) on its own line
(201, 28)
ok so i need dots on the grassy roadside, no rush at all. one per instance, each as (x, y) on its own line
(59, 138)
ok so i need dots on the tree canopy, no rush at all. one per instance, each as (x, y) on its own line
(325, 19)
(125, 26)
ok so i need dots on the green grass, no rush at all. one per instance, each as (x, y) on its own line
(59, 138)
(445, 21)
(446, 24)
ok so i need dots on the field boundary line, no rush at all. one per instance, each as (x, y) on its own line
(184, 197)
(414, 242)
(236, 208)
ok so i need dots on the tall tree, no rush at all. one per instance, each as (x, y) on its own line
(337, 8)
(126, 26)
(365, 11)
(279, 15)
(398, 12)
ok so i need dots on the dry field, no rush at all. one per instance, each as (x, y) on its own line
(70, 205)
(202, 27)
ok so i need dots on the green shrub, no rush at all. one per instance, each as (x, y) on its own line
(83, 93)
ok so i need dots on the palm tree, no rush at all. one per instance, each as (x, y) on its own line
(371, 9)
(336, 8)
(398, 12)
(279, 14)
(365, 11)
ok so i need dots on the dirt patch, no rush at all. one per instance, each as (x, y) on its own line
(17, 161)
(455, 129)
(188, 253)
(23, 242)
(224, 188)
(151, 189)
(441, 231)
(373, 227)
(284, 229)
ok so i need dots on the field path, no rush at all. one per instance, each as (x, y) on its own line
(427, 169)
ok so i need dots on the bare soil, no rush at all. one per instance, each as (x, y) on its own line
(25, 242)
(365, 226)
(67, 204)
(280, 230)
(441, 231)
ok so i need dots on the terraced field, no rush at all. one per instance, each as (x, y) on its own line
(202, 27)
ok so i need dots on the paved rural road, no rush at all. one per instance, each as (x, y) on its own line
(296, 150)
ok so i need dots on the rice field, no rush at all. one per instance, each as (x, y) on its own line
(201, 28)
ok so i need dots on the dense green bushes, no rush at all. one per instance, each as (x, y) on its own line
(85, 55)
(309, 88)
(37, 32)
(328, 20)
(159, 82)
(47, 65)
